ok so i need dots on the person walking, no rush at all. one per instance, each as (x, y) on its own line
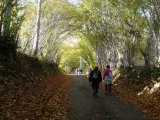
(95, 78)
(107, 77)
(80, 70)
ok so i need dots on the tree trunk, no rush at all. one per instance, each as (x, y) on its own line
(36, 41)
(8, 40)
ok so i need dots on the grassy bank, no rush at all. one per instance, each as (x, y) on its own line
(139, 87)
(32, 89)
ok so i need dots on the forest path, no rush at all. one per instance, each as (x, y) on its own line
(85, 106)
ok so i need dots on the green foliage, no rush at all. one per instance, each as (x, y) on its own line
(11, 18)
(111, 32)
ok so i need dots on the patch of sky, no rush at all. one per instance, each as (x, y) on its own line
(76, 2)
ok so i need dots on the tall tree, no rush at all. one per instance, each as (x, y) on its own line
(10, 22)
(36, 41)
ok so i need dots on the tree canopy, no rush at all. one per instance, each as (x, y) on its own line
(116, 32)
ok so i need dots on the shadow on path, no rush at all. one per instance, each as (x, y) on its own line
(84, 106)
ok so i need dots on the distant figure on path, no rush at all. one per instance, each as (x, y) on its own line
(80, 70)
(95, 78)
(107, 77)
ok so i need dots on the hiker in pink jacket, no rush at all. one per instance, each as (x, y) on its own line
(107, 77)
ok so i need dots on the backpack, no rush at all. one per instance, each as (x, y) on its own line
(95, 75)
(108, 78)
(110, 75)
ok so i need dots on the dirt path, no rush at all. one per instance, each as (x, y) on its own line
(84, 106)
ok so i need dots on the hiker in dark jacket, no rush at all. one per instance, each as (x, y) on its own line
(95, 78)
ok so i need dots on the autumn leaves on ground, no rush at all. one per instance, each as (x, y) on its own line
(35, 90)
(44, 100)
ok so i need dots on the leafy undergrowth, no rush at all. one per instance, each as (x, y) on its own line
(33, 92)
(137, 90)
(44, 100)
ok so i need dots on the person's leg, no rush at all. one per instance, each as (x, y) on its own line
(110, 88)
(106, 88)
(93, 86)
(96, 87)
(95, 91)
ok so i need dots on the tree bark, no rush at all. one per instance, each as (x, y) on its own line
(36, 41)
